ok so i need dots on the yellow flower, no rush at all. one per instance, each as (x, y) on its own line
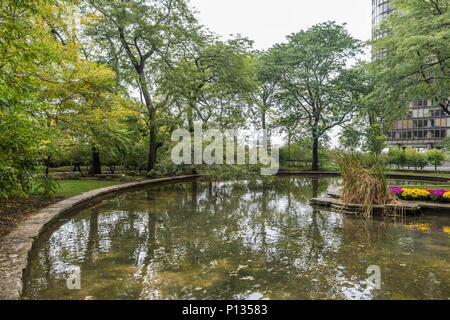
(418, 226)
(446, 229)
(415, 193)
(446, 195)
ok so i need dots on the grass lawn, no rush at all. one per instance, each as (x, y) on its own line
(16, 209)
(70, 188)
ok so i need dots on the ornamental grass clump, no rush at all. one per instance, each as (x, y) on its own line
(363, 185)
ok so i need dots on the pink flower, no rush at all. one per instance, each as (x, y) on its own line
(437, 192)
(396, 190)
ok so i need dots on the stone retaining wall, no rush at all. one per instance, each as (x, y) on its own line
(406, 207)
(389, 175)
(14, 247)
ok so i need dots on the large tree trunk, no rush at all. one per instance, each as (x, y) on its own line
(152, 149)
(315, 162)
(151, 116)
(96, 165)
(289, 149)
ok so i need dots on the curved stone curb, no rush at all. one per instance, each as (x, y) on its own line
(14, 247)
(356, 209)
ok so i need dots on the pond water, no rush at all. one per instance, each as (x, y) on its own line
(237, 240)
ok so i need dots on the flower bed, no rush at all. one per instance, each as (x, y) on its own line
(411, 194)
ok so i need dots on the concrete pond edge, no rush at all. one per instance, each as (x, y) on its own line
(16, 246)
(394, 176)
(332, 201)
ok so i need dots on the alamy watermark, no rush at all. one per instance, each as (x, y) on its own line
(375, 276)
(73, 282)
(208, 148)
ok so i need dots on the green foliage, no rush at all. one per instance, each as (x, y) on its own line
(50, 93)
(315, 85)
(20, 149)
(414, 55)
(74, 176)
(415, 159)
(407, 158)
(300, 151)
(46, 187)
(396, 156)
(26, 46)
(136, 156)
(376, 140)
(436, 157)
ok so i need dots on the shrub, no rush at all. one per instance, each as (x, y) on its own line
(74, 176)
(436, 157)
(396, 156)
(46, 187)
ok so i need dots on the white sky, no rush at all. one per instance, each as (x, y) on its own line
(267, 22)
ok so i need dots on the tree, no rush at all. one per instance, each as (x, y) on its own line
(372, 120)
(210, 79)
(376, 140)
(263, 99)
(436, 157)
(313, 78)
(136, 38)
(30, 45)
(291, 126)
(413, 55)
(396, 156)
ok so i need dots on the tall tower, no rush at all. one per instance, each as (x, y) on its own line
(380, 10)
(424, 126)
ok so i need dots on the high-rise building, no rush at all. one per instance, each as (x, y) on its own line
(424, 126)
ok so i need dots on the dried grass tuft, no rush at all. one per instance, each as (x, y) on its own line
(360, 185)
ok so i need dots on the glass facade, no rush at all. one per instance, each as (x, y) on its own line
(380, 10)
(424, 126)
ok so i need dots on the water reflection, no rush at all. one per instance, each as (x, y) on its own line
(237, 240)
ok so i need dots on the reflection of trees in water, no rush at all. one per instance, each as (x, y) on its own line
(167, 240)
(384, 241)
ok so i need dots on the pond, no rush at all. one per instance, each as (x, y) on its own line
(237, 240)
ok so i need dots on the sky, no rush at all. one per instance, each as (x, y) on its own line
(267, 22)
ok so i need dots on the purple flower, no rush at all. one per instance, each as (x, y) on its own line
(437, 192)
